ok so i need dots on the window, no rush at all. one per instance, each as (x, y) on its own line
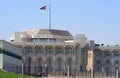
(98, 62)
(39, 65)
(49, 64)
(59, 64)
(51, 39)
(106, 53)
(39, 39)
(116, 68)
(34, 39)
(116, 53)
(117, 62)
(69, 62)
(39, 61)
(107, 69)
(49, 51)
(98, 54)
(107, 62)
(29, 63)
(39, 51)
(59, 51)
(98, 68)
(69, 51)
(28, 50)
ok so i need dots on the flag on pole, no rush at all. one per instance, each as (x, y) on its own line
(43, 7)
(47, 8)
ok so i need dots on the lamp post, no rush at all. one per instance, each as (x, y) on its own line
(22, 69)
(92, 73)
(68, 71)
(45, 69)
(117, 73)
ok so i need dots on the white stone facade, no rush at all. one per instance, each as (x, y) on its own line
(58, 49)
(54, 49)
(107, 58)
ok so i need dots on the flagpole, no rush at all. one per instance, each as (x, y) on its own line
(49, 16)
(49, 13)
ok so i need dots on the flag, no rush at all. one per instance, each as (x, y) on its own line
(43, 8)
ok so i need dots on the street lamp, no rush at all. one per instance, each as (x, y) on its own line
(22, 69)
(68, 71)
(116, 72)
(45, 69)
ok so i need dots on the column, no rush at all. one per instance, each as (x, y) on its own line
(54, 59)
(44, 63)
(34, 52)
(64, 59)
(23, 59)
(74, 58)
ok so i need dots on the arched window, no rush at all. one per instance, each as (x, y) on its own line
(49, 64)
(39, 65)
(107, 69)
(59, 64)
(69, 62)
(29, 64)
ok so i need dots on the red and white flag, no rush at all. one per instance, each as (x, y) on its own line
(43, 7)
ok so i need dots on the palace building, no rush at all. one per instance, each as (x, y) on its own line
(54, 51)
(107, 58)
(51, 49)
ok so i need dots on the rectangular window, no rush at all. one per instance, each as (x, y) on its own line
(49, 51)
(59, 51)
(69, 51)
(39, 51)
(28, 50)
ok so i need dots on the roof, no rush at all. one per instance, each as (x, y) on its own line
(49, 31)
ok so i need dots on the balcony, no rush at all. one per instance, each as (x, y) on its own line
(44, 43)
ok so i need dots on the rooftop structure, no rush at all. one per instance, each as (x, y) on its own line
(56, 49)
(40, 35)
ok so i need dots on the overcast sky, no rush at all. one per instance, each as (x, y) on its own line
(99, 20)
